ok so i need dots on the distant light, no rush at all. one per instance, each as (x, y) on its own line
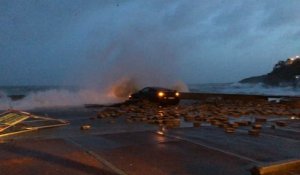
(177, 94)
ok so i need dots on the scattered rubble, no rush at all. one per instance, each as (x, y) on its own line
(227, 114)
(85, 127)
(281, 123)
(254, 132)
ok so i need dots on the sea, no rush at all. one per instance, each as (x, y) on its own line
(31, 97)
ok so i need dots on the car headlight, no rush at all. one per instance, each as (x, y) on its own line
(177, 94)
(161, 94)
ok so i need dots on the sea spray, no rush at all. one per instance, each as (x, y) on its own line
(5, 101)
(58, 98)
(123, 87)
(126, 86)
(180, 86)
(119, 91)
(239, 88)
(66, 97)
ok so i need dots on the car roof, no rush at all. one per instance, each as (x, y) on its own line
(159, 88)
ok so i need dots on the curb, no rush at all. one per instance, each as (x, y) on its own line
(274, 167)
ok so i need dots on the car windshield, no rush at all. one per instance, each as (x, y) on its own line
(145, 90)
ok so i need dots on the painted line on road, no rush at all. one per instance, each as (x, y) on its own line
(213, 148)
(98, 157)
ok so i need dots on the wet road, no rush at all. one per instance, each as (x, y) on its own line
(119, 147)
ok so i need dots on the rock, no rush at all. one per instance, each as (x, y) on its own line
(283, 73)
(257, 126)
(281, 123)
(85, 127)
(234, 125)
(260, 120)
(189, 118)
(243, 123)
(197, 124)
(229, 130)
(254, 132)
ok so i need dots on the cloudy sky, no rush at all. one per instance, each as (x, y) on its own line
(71, 42)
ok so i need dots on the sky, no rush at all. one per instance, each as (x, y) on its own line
(96, 42)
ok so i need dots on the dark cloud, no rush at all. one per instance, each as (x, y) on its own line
(96, 42)
(281, 13)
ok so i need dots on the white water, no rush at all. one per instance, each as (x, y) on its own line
(60, 97)
(64, 97)
(238, 88)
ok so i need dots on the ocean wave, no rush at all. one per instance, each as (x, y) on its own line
(240, 88)
(261, 89)
(44, 97)
(57, 98)
(61, 97)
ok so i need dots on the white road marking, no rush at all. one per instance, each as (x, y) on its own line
(98, 157)
(215, 149)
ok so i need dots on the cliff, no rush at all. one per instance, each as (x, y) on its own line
(284, 73)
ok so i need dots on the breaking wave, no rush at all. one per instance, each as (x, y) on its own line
(57, 98)
(239, 88)
(64, 97)
(119, 91)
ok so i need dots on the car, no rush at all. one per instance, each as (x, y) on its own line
(157, 95)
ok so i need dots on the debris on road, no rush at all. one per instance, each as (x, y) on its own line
(228, 114)
(15, 122)
(85, 127)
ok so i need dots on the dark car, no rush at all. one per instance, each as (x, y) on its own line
(157, 95)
